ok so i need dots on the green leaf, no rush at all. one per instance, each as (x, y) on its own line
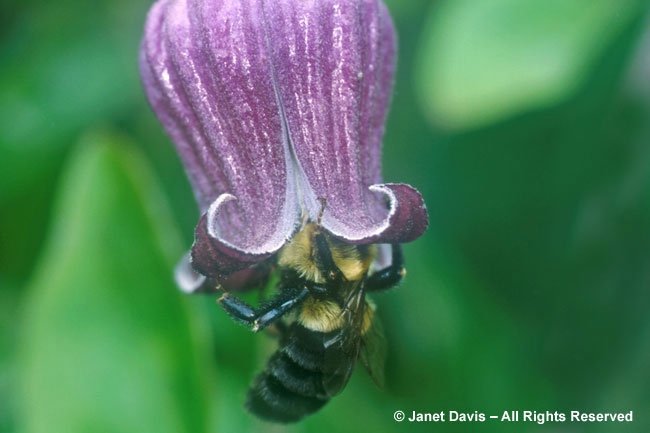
(62, 68)
(107, 343)
(484, 61)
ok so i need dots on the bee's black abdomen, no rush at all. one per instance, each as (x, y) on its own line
(270, 399)
(305, 347)
(291, 386)
(294, 377)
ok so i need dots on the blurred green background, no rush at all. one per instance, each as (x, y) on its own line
(524, 123)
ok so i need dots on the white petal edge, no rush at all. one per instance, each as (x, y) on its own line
(378, 229)
(270, 247)
(187, 279)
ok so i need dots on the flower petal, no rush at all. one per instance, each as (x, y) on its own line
(334, 61)
(187, 279)
(208, 77)
(190, 281)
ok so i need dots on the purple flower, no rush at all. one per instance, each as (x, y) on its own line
(275, 105)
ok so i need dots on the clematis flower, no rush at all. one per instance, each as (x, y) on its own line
(277, 109)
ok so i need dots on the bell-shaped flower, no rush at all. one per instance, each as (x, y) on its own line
(277, 109)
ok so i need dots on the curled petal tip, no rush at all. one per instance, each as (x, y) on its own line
(211, 215)
(405, 220)
(408, 218)
(217, 259)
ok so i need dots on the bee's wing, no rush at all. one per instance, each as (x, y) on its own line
(342, 347)
(374, 349)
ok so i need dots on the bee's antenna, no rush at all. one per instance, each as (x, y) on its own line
(323, 204)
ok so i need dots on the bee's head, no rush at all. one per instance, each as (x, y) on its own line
(301, 255)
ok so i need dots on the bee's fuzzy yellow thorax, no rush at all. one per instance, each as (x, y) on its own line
(300, 255)
(326, 316)
(321, 316)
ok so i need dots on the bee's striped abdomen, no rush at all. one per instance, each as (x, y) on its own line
(291, 385)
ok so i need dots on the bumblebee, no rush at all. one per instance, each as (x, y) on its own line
(322, 291)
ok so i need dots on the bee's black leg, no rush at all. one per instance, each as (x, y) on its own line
(271, 313)
(389, 277)
(261, 317)
(237, 309)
